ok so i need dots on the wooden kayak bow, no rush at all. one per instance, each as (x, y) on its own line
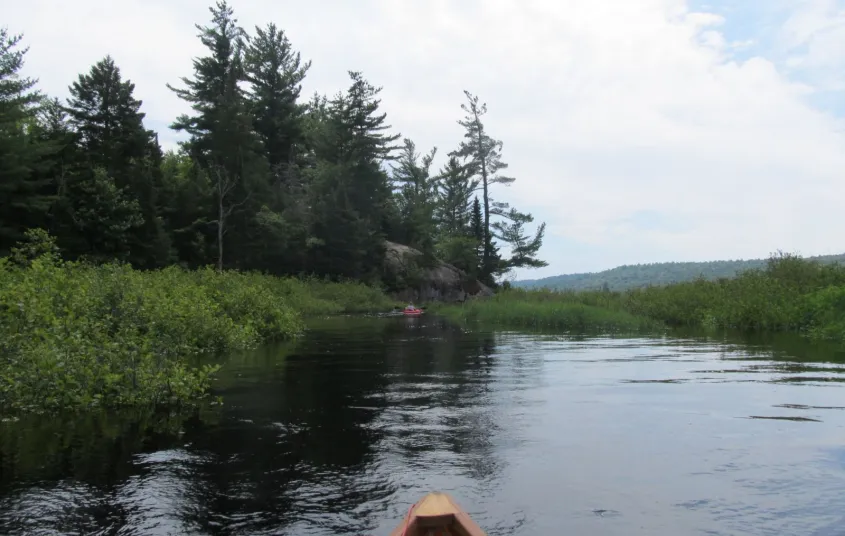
(437, 514)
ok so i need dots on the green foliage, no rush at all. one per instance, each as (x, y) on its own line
(25, 196)
(264, 181)
(415, 191)
(484, 162)
(102, 215)
(788, 294)
(518, 308)
(110, 137)
(523, 248)
(461, 252)
(37, 243)
(275, 73)
(74, 335)
(455, 188)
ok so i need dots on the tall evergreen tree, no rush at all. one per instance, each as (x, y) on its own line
(416, 192)
(108, 123)
(25, 194)
(455, 188)
(351, 190)
(476, 224)
(223, 142)
(275, 73)
(485, 157)
(59, 168)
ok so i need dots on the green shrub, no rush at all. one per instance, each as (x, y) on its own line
(74, 335)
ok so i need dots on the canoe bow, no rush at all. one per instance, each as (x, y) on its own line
(437, 514)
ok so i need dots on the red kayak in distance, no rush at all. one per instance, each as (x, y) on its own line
(412, 312)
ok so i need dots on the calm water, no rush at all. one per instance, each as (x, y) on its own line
(533, 434)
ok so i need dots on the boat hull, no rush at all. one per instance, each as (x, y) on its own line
(437, 514)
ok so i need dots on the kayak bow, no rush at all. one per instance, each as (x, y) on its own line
(437, 515)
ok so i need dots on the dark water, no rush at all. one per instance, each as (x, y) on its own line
(533, 434)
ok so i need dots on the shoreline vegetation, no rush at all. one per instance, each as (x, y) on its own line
(75, 335)
(107, 241)
(790, 294)
(107, 238)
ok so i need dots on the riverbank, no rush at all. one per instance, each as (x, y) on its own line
(543, 309)
(789, 295)
(74, 335)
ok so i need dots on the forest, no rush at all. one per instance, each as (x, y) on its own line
(267, 180)
(632, 276)
(121, 264)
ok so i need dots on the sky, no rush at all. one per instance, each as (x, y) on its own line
(638, 130)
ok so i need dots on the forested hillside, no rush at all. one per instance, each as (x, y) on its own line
(267, 180)
(662, 273)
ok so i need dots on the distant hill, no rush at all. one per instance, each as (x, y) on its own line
(661, 273)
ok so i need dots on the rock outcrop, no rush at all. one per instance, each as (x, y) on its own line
(414, 282)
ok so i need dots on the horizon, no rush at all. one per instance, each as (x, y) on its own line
(595, 272)
(649, 130)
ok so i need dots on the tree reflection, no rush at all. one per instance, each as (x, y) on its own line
(316, 437)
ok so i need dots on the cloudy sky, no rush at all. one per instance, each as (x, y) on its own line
(639, 130)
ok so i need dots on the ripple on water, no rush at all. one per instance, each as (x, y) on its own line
(533, 434)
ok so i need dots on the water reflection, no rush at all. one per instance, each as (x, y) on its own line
(535, 433)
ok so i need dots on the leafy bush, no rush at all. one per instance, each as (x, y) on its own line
(74, 335)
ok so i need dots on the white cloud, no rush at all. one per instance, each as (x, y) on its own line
(815, 36)
(606, 108)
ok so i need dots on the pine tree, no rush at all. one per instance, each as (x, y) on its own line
(223, 142)
(103, 217)
(111, 136)
(477, 222)
(352, 191)
(455, 188)
(523, 248)
(53, 128)
(275, 73)
(108, 122)
(485, 161)
(415, 191)
(26, 195)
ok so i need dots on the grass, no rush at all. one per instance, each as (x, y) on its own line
(790, 294)
(545, 309)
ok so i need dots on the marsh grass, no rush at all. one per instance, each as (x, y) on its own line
(790, 294)
(518, 308)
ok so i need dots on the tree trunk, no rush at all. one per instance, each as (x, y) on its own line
(485, 254)
(220, 222)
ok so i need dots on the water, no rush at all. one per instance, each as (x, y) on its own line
(533, 434)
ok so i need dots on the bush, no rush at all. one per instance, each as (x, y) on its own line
(74, 335)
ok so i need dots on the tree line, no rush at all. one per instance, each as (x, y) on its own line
(658, 274)
(266, 180)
